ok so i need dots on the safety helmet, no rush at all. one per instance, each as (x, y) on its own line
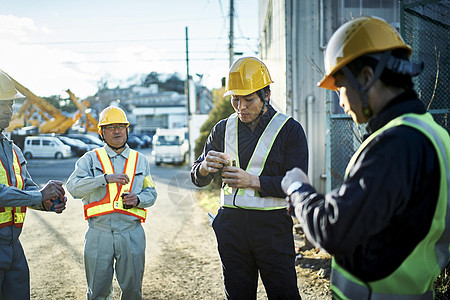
(111, 115)
(360, 36)
(7, 89)
(247, 75)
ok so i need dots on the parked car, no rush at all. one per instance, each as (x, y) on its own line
(144, 138)
(92, 141)
(78, 147)
(134, 142)
(45, 147)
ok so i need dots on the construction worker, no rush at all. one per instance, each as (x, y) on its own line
(115, 185)
(17, 192)
(253, 228)
(387, 225)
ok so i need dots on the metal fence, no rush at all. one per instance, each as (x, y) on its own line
(424, 26)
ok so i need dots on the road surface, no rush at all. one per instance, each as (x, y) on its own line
(181, 250)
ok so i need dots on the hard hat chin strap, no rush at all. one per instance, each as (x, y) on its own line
(363, 90)
(117, 148)
(263, 97)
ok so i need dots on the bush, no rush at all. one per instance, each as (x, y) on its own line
(442, 285)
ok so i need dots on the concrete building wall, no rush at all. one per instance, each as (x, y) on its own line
(293, 37)
(289, 33)
(273, 48)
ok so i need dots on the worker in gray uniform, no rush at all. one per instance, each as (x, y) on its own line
(115, 185)
(17, 192)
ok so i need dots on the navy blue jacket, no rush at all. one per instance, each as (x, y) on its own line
(289, 150)
(385, 207)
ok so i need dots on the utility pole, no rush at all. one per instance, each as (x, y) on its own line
(188, 104)
(231, 35)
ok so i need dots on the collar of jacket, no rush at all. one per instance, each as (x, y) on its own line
(406, 102)
(112, 153)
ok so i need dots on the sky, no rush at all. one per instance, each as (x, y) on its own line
(50, 46)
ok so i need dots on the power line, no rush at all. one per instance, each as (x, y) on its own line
(142, 60)
(118, 41)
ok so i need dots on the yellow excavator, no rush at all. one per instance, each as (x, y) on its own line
(18, 119)
(55, 121)
(90, 122)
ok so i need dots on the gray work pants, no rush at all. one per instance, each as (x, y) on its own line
(106, 251)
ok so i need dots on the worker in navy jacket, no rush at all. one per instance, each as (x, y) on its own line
(387, 226)
(252, 150)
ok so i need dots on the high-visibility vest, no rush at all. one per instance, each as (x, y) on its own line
(414, 278)
(12, 215)
(249, 198)
(112, 202)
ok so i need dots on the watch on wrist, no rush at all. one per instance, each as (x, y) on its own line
(293, 187)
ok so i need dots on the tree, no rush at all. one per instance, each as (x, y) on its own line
(151, 78)
(173, 83)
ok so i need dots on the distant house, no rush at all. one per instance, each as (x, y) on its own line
(148, 108)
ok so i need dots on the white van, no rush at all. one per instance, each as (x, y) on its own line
(45, 147)
(170, 146)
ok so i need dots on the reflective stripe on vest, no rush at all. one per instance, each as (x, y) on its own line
(12, 215)
(112, 202)
(249, 198)
(414, 278)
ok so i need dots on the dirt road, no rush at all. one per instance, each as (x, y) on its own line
(181, 256)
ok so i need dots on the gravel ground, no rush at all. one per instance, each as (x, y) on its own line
(181, 257)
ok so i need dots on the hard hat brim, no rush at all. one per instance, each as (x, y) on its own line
(18, 95)
(327, 83)
(244, 92)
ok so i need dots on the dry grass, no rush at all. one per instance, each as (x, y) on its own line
(209, 199)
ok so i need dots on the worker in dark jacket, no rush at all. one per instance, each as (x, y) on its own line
(253, 229)
(387, 225)
(17, 192)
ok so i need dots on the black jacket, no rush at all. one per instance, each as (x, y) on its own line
(385, 207)
(289, 150)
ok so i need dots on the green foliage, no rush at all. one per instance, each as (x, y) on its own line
(62, 104)
(222, 109)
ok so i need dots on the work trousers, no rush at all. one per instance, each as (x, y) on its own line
(14, 273)
(253, 240)
(122, 251)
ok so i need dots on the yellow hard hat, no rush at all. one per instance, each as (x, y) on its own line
(356, 38)
(247, 75)
(111, 115)
(7, 89)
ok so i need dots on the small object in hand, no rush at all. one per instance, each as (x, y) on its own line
(54, 202)
(230, 163)
(126, 206)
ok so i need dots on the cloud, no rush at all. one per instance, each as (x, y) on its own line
(44, 69)
(15, 29)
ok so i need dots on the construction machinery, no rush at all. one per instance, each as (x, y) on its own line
(90, 121)
(18, 119)
(55, 122)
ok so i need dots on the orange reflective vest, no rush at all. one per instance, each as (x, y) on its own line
(12, 215)
(112, 202)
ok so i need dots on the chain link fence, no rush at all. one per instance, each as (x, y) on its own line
(424, 26)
